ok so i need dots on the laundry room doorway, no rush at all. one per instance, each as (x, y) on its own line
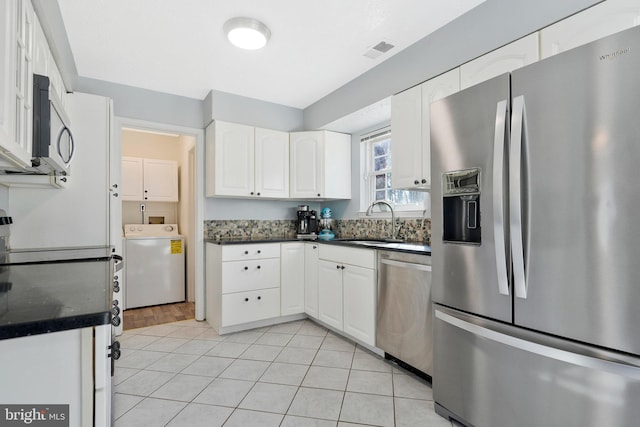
(161, 148)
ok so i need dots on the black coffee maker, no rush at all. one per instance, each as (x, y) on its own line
(307, 223)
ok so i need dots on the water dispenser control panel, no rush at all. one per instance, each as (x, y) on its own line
(461, 206)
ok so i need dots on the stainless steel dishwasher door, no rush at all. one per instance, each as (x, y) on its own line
(404, 320)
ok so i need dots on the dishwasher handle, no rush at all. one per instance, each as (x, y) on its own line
(421, 267)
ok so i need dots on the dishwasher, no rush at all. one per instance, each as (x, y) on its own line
(404, 320)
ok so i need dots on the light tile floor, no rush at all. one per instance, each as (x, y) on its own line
(292, 374)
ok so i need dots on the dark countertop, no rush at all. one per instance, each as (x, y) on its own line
(364, 243)
(55, 289)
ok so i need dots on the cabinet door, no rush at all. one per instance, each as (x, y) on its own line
(359, 303)
(271, 163)
(131, 179)
(330, 293)
(16, 33)
(292, 278)
(234, 160)
(311, 279)
(335, 169)
(508, 58)
(432, 90)
(592, 24)
(306, 162)
(406, 148)
(160, 180)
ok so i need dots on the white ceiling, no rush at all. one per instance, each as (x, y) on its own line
(178, 47)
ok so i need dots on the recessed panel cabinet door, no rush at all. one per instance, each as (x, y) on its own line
(292, 278)
(234, 160)
(311, 279)
(306, 152)
(359, 290)
(271, 163)
(160, 180)
(132, 179)
(330, 293)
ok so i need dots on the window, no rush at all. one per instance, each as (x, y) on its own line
(377, 163)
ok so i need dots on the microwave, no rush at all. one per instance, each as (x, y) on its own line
(53, 145)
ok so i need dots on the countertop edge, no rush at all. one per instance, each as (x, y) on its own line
(337, 242)
(45, 326)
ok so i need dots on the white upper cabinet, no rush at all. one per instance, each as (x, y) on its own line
(132, 178)
(230, 159)
(521, 52)
(320, 165)
(160, 180)
(16, 81)
(243, 161)
(150, 180)
(594, 23)
(410, 118)
(271, 163)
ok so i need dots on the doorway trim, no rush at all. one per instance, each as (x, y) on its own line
(198, 191)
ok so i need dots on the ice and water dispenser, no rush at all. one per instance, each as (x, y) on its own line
(461, 206)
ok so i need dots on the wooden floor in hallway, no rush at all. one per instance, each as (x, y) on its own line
(155, 315)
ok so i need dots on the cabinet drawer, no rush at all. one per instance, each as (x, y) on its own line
(249, 275)
(361, 257)
(250, 251)
(244, 307)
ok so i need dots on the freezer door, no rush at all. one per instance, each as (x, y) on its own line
(469, 180)
(580, 139)
(488, 374)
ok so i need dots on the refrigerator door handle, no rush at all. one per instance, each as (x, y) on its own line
(498, 196)
(515, 193)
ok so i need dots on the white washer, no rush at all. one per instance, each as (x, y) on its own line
(154, 263)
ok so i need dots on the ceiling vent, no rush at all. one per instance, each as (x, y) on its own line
(379, 49)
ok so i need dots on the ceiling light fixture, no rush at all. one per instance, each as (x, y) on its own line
(247, 33)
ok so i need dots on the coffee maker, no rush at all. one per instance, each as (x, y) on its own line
(307, 223)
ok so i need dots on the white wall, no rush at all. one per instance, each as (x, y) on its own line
(78, 214)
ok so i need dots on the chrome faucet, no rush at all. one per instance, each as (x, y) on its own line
(393, 216)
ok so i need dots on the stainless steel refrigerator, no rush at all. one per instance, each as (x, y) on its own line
(536, 242)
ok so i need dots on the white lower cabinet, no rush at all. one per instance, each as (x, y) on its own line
(292, 275)
(242, 284)
(250, 306)
(359, 303)
(275, 282)
(67, 367)
(347, 290)
(311, 279)
(330, 293)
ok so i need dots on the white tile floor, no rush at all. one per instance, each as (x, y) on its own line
(293, 374)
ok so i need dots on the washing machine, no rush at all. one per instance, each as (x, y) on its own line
(154, 264)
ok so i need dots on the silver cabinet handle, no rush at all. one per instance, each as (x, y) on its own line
(72, 145)
(518, 129)
(498, 196)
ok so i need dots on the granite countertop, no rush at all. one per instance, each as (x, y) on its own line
(410, 247)
(54, 290)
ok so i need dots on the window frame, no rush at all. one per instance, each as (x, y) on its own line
(367, 193)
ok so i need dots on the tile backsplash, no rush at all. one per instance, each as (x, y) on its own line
(411, 229)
